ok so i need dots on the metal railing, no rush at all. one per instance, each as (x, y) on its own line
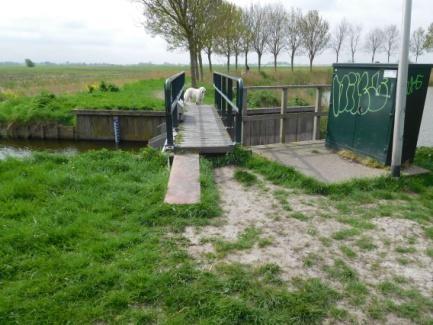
(173, 90)
(228, 88)
(284, 113)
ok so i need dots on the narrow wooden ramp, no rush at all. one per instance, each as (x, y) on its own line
(184, 183)
(202, 131)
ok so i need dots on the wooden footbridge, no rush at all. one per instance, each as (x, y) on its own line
(199, 129)
(215, 129)
(204, 128)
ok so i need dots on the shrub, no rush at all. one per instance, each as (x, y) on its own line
(92, 88)
(7, 94)
(113, 88)
(102, 87)
(298, 101)
(29, 63)
(262, 98)
(43, 100)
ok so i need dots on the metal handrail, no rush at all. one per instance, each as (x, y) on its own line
(173, 90)
(288, 87)
(234, 107)
(230, 112)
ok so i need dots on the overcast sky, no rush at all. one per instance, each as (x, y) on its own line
(96, 31)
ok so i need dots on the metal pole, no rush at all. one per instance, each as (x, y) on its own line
(400, 108)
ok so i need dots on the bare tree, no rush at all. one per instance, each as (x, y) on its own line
(294, 39)
(239, 33)
(315, 34)
(228, 34)
(176, 22)
(355, 32)
(417, 42)
(278, 21)
(246, 35)
(209, 30)
(339, 36)
(374, 42)
(260, 29)
(390, 40)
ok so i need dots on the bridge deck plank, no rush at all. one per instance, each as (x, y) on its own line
(202, 131)
(184, 182)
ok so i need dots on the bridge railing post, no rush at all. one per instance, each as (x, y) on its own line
(230, 118)
(240, 103)
(224, 102)
(317, 111)
(173, 89)
(168, 119)
(283, 124)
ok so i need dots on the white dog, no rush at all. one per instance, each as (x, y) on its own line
(193, 95)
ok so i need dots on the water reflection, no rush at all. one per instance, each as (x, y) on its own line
(24, 148)
(426, 132)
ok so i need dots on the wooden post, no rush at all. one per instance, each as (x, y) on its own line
(317, 111)
(284, 99)
(244, 108)
(245, 102)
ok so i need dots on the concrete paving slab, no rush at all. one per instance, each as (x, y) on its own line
(184, 182)
(313, 159)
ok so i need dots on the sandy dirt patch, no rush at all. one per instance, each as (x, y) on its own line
(305, 248)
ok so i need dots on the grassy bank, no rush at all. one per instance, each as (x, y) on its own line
(88, 239)
(49, 93)
(141, 95)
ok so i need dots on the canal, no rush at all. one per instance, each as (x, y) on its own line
(24, 148)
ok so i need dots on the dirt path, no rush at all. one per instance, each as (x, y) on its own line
(301, 234)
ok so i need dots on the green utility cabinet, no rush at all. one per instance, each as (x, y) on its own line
(362, 106)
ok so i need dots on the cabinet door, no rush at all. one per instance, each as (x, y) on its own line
(342, 109)
(374, 121)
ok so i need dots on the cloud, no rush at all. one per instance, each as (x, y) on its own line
(111, 30)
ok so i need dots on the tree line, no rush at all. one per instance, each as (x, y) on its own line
(218, 27)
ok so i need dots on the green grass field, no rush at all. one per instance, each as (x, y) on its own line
(62, 79)
(50, 93)
(88, 239)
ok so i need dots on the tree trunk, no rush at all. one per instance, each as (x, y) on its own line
(209, 59)
(275, 62)
(260, 61)
(200, 61)
(292, 60)
(353, 57)
(338, 56)
(192, 59)
(372, 57)
(236, 61)
(416, 58)
(246, 60)
(389, 55)
(228, 63)
(197, 71)
(311, 64)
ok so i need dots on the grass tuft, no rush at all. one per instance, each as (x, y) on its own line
(245, 177)
(346, 234)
